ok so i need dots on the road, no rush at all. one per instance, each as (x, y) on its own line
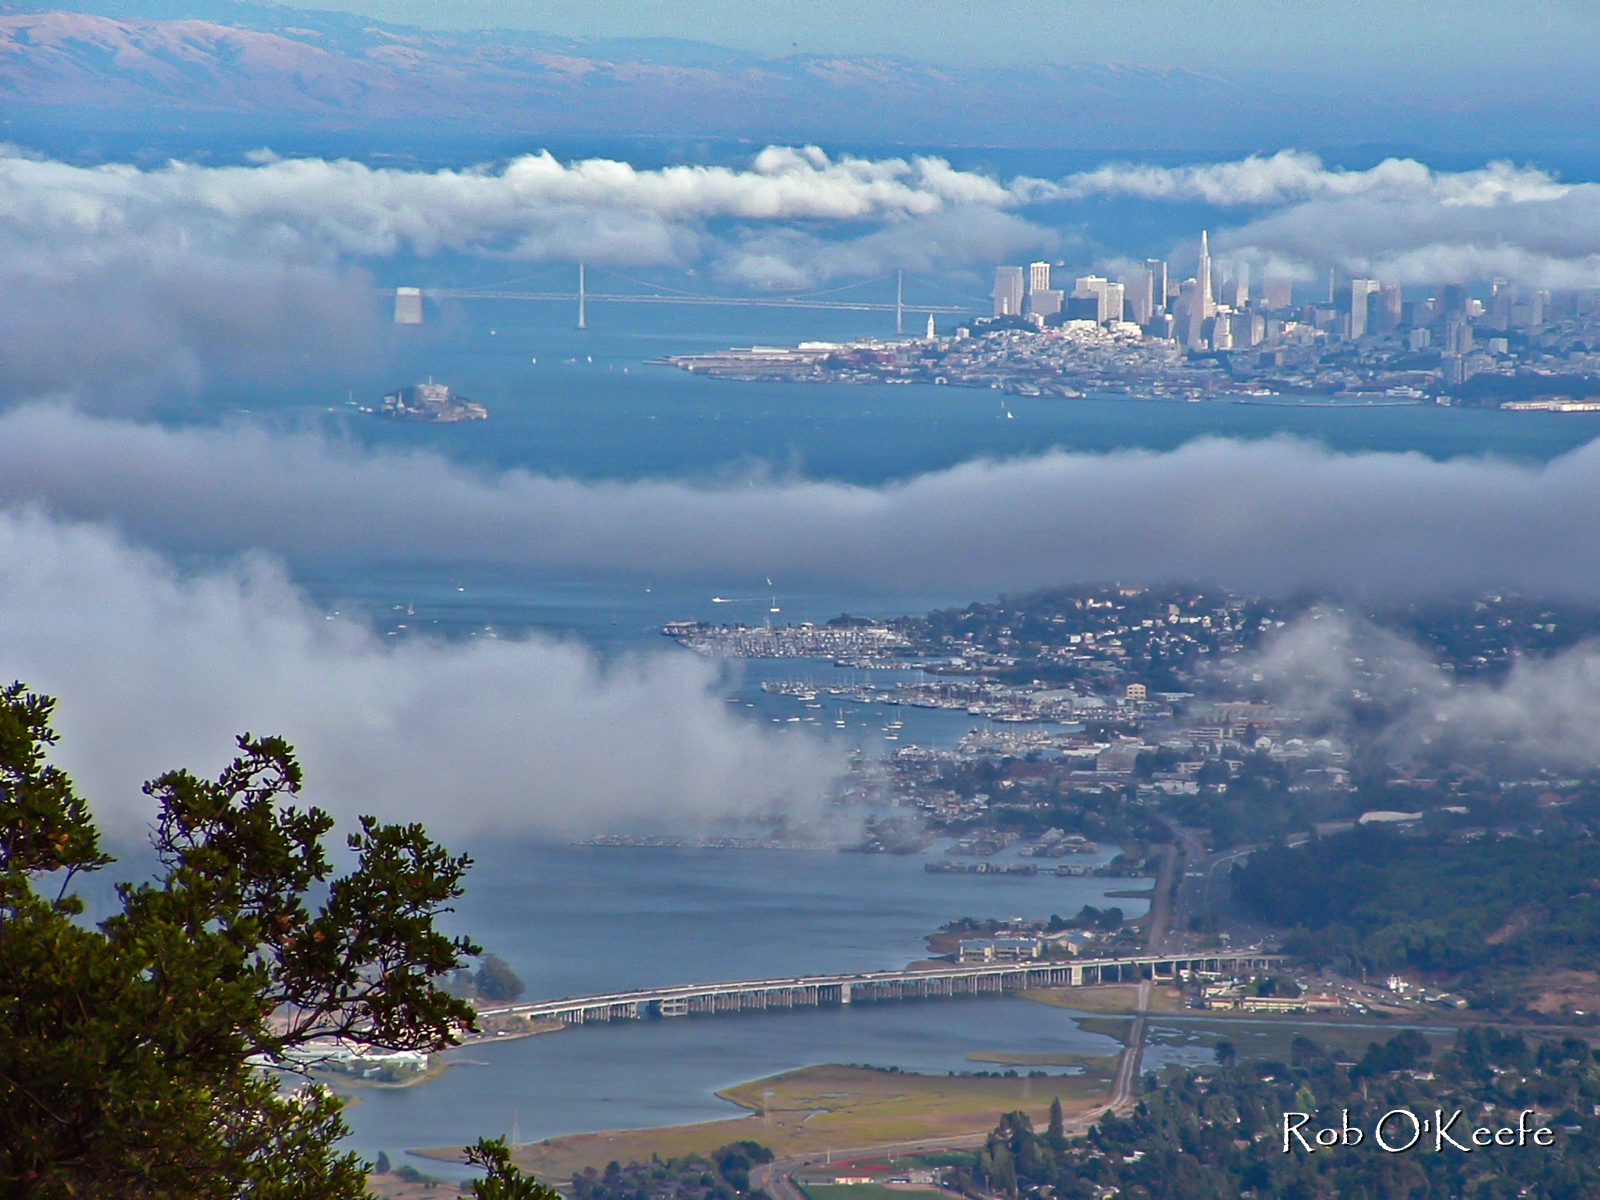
(775, 1177)
(1133, 1052)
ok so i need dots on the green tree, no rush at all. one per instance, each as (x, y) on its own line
(502, 1179)
(496, 980)
(126, 1065)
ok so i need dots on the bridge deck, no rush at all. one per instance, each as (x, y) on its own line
(871, 986)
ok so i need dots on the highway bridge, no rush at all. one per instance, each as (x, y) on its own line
(808, 991)
(408, 301)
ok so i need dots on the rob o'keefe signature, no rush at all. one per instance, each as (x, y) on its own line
(1400, 1130)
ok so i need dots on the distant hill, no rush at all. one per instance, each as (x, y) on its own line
(153, 65)
(333, 71)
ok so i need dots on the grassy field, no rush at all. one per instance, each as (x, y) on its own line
(1106, 998)
(1258, 1038)
(816, 1110)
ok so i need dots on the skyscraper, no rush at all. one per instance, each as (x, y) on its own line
(1202, 278)
(1139, 287)
(1192, 314)
(1007, 292)
(1116, 301)
(1390, 306)
(1158, 283)
(1090, 299)
(1238, 294)
(1278, 292)
(1360, 289)
(1039, 277)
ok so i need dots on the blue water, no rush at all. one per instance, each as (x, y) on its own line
(580, 920)
(618, 418)
(575, 920)
(666, 1072)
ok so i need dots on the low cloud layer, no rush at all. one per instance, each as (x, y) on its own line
(155, 668)
(1273, 515)
(165, 280)
(1541, 712)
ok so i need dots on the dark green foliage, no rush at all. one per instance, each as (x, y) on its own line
(123, 1066)
(1391, 901)
(381, 1167)
(503, 1180)
(496, 980)
(723, 1176)
(1217, 1135)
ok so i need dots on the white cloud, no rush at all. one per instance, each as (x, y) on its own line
(161, 280)
(1267, 515)
(1292, 176)
(155, 669)
(1540, 712)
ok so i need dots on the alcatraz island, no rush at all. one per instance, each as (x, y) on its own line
(431, 403)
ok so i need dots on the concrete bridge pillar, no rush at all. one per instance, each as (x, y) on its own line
(844, 993)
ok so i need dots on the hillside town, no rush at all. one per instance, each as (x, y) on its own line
(1105, 707)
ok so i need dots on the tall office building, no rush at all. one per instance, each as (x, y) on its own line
(1277, 292)
(1202, 278)
(1158, 283)
(1116, 301)
(1089, 300)
(1139, 288)
(1042, 300)
(1192, 315)
(1007, 294)
(1238, 292)
(1390, 306)
(1360, 289)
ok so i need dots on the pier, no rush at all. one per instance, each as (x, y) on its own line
(937, 983)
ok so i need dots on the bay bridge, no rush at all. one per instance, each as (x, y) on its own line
(408, 300)
(818, 991)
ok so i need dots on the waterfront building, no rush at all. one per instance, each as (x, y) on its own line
(1008, 291)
